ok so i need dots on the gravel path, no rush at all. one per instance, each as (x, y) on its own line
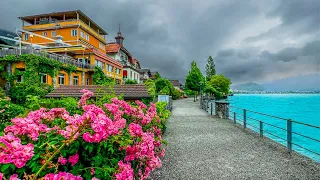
(203, 147)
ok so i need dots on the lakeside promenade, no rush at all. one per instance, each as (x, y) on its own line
(203, 147)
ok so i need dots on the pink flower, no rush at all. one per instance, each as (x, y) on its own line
(74, 159)
(163, 152)
(94, 178)
(135, 129)
(140, 104)
(92, 171)
(61, 176)
(62, 160)
(14, 177)
(1, 176)
(86, 95)
(14, 152)
(125, 171)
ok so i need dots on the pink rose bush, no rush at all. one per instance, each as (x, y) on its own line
(114, 141)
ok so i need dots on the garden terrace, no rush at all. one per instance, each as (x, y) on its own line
(129, 91)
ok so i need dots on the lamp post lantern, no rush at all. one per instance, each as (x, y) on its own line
(200, 89)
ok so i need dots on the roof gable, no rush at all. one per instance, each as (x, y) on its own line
(112, 48)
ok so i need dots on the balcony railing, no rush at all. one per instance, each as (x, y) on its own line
(64, 59)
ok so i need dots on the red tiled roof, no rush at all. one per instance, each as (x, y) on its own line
(129, 91)
(112, 48)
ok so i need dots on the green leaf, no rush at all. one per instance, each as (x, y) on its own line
(90, 149)
(4, 167)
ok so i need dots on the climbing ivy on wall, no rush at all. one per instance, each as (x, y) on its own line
(99, 78)
(31, 84)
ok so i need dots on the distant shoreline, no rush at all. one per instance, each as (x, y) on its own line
(276, 93)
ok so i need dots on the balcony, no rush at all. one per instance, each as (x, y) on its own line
(60, 58)
(51, 25)
(59, 24)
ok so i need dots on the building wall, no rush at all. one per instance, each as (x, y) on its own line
(65, 30)
(66, 33)
(132, 74)
(92, 40)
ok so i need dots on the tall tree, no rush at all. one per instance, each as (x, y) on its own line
(194, 78)
(210, 68)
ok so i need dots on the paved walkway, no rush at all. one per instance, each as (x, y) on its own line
(203, 147)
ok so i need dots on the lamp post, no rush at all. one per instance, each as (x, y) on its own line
(200, 91)
(200, 88)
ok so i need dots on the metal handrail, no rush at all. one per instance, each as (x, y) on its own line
(261, 113)
(268, 124)
(274, 135)
(233, 116)
(61, 58)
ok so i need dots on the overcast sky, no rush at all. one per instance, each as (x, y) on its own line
(250, 40)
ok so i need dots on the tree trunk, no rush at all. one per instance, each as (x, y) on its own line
(194, 97)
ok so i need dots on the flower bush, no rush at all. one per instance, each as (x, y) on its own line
(113, 141)
(8, 110)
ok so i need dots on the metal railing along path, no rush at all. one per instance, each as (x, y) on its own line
(283, 128)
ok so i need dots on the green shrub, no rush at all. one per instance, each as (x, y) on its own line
(8, 110)
(129, 81)
(164, 114)
(176, 94)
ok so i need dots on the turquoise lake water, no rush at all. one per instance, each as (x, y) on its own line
(298, 107)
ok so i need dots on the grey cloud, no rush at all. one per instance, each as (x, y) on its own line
(258, 68)
(167, 35)
(298, 17)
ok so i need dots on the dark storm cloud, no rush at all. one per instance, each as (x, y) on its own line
(280, 64)
(164, 35)
(167, 35)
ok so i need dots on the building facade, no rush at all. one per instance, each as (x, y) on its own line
(131, 66)
(72, 34)
(145, 74)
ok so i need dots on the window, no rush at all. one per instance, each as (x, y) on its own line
(26, 37)
(53, 33)
(99, 63)
(125, 74)
(43, 78)
(75, 80)
(110, 68)
(87, 81)
(101, 45)
(87, 37)
(45, 34)
(19, 78)
(82, 34)
(61, 79)
(74, 32)
(118, 71)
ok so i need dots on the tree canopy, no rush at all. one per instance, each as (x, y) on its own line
(164, 85)
(210, 68)
(194, 78)
(157, 76)
(220, 83)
